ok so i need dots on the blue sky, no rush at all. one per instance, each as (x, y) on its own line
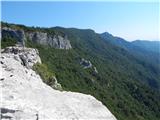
(129, 20)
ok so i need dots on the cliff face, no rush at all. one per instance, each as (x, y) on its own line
(56, 41)
(18, 35)
(24, 96)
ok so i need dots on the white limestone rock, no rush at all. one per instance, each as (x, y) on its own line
(27, 56)
(55, 41)
(86, 63)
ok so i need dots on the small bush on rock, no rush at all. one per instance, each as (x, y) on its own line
(45, 73)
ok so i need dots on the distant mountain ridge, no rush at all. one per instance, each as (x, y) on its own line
(153, 46)
(148, 50)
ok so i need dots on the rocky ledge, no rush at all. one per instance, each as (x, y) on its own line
(25, 97)
(26, 56)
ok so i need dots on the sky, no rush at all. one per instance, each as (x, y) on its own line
(129, 20)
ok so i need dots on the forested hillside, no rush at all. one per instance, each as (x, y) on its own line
(126, 83)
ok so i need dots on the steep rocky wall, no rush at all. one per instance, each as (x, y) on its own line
(56, 41)
(19, 35)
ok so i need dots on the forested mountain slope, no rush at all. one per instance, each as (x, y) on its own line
(125, 83)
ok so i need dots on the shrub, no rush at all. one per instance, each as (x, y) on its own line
(5, 42)
(45, 73)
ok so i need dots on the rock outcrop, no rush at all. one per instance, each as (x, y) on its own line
(18, 35)
(85, 63)
(53, 40)
(25, 97)
(26, 56)
(95, 70)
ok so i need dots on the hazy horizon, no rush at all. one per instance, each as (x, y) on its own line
(128, 20)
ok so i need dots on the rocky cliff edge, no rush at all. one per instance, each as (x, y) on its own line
(25, 97)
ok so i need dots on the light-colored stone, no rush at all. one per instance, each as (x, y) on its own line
(55, 41)
(85, 63)
(27, 56)
(95, 70)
